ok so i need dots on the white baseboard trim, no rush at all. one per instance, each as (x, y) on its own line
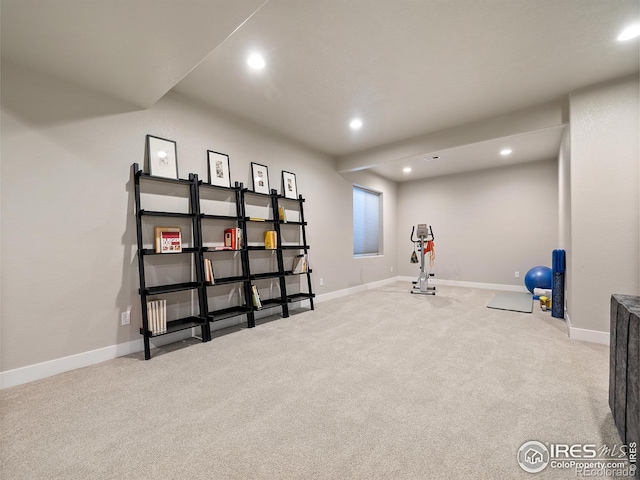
(458, 283)
(592, 336)
(42, 370)
(584, 335)
(356, 289)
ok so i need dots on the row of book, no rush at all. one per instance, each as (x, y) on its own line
(169, 240)
(157, 316)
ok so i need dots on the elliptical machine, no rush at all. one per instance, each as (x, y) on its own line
(424, 244)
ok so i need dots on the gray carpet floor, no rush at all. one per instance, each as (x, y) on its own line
(378, 385)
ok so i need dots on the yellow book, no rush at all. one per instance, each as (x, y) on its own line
(270, 240)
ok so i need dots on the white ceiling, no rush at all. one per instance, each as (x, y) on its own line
(406, 67)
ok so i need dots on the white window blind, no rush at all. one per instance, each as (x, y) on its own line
(366, 222)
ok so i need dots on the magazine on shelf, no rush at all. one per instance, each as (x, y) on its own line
(255, 297)
(168, 239)
(208, 271)
(300, 264)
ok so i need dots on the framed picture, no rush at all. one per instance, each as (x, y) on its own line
(162, 157)
(289, 186)
(260, 177)
(219, 169)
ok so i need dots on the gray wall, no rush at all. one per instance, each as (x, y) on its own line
(487, 224)
(605, 204)
(68, 254)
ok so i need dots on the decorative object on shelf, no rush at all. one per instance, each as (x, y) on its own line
(270, 240)
(282, 214)
(300, 264)
(233, 238)
(162, 157)
(289, 186)
(168, 239)
(219, 169)
(260, 177)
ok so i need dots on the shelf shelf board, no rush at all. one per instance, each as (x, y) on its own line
(228, 312)
(260, 247)
(290, 272)
(295, 247)
(177, 325)
(227, 280)
(292, 223)
(151, 251)
(300, 296)
(176, 287)
(206, 216)
(213, 250)
(155, 213)
(271, 302)
(261, 276)
(146, 176)
(262, 220)
(202, 183)
(281, 197)
(251, 192)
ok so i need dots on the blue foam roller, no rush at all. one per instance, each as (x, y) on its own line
(557, 295)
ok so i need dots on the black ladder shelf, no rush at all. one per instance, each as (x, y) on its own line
(192, 252)
(197, 253)
(304, 247)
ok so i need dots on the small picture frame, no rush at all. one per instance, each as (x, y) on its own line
(289, 185)
(162, 157)
(219, 169)
(260, 178)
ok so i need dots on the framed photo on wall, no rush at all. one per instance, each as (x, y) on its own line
(219, 169)
(289, 186)
(162, 157)
(260, 177)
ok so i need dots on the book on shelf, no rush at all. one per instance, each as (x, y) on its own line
(233, 238)
(300, 264)
(255, 297)
(282, 214)
(257, 219)
(157, 316)
(208, 271)
(270, 240)
(168, 239)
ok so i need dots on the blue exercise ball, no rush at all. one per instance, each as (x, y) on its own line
(538, 277)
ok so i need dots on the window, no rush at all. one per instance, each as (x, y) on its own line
(366, 222)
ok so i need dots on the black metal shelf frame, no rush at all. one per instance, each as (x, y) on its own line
(145, 291)
(198, 251)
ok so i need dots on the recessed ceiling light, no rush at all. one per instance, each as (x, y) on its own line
(355, 124)
(406, 169)
(630, 32)
(256, 61)
(505, 151)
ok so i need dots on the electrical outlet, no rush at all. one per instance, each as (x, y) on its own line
(126, 317)
(517, 274)
(321, 281)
